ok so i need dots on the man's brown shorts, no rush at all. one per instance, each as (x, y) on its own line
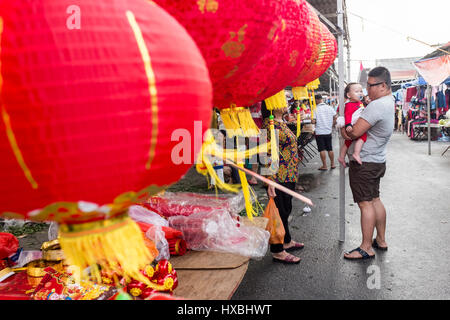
(365, 180)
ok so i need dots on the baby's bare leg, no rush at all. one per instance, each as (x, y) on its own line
(358, 146)
(342, 154)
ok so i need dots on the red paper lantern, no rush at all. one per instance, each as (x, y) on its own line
(282, 61)
(314, 37)
(84, 117)
(327, 55)
(90, 95)
(232, 35)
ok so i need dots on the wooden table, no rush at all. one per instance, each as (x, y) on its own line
(208, 275)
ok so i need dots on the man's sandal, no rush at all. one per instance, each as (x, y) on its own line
(364, 254)
(376, 246)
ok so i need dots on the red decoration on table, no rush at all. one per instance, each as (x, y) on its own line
(177, 245)
(16, 287)
(8, 245)
(163, 275)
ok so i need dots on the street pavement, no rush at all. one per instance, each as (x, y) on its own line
(416, 194)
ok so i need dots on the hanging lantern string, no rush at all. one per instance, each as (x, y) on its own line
(398, 32)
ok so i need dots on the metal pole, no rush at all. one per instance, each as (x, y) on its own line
(340, 20)
(428, 118)
(348, 63)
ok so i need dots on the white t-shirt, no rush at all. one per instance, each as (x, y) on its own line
(324, 115)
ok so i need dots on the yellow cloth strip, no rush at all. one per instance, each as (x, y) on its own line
(151, 82)
(9, 131)
(246, 191)
(299, 125)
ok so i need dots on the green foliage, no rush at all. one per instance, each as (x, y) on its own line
(27, 228)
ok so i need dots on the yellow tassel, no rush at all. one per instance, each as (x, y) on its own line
(300, 93)
(311, 107)
(273, 140)
(247, 123)
(114, 244)
(314, 100)
(277, 101)
(246, 191)
(299, 125)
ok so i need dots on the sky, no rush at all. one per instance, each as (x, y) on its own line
(388, 23)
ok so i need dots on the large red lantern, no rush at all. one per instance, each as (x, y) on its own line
(232, 35)
(327, 55)
(314, 37)
(90, 95)
(282, 61)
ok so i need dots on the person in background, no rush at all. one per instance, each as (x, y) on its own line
(377, 120)
(286, 175)
(325, 119)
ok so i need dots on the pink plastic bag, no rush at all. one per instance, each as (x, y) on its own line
(218, 231)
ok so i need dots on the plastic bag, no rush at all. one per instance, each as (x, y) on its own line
(275, 225)
(28, 256)
(186, 203)
(12, 223)
(156, 234)
(53, 231)
(218, 231)
(139, 213)
(340, 122)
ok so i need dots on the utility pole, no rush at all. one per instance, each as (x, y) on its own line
(428, 117)
(340, 20)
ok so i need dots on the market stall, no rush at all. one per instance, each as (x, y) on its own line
(197, 239)
(87, 138)
(414, 101)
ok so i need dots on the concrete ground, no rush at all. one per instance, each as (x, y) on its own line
(416, 194)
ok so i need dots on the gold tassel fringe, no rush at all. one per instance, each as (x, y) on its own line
(277, 101)
(115, 244)
(239, 122)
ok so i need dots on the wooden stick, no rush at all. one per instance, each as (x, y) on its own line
(272, 183)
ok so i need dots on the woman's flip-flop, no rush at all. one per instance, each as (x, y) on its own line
(289, 259)
(364, 254)
(296, 246)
